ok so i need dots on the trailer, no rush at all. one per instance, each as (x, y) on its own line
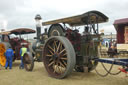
(121, 26)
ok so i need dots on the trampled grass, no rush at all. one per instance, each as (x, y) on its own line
(39, 76)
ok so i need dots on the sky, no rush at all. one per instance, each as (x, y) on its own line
(21, 13)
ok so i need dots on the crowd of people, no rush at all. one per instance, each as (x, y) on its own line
(112, 50)
(9, 54)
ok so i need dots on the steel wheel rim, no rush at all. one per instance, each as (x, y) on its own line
(56, 30)
(55, 33)
(56, 57)
(68, 53)
(27, 62)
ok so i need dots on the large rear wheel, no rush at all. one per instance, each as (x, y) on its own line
(59, 57)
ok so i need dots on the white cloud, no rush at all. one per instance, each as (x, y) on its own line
(21, 13)
(108, 29)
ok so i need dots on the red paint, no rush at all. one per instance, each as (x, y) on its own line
(120, 34)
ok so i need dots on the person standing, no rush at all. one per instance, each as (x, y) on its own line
(115, 43)
(106, 44)
(9, 58)
(23, 50)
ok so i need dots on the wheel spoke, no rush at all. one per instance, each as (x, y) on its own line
(54, 49)
(51, 63)
(51, 52)
(62, 51)
(64, 62)
(49, 55)
(64, 54)
(61, 46)
(62, 65)
(55, 45)
(54, 67)
(58, 47)
(51, 48)
(50, 59)
(63, 58)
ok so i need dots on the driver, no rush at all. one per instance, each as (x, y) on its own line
(86, 30)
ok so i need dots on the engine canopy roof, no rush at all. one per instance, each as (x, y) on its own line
(83, 19)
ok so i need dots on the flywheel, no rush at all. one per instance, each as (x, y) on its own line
(2, 56)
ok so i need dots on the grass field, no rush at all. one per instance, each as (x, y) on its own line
(39, 76)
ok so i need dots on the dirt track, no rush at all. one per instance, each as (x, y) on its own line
(40, 77)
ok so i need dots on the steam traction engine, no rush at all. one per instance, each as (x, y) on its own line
(65, 49)
(7, 41)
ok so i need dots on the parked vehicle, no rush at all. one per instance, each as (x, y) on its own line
(15, 42)
(63, 48)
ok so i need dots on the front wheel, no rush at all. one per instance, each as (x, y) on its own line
(28, 61)
(59, 57)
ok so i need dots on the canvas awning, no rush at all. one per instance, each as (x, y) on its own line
(22, 31)
(80, 19)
